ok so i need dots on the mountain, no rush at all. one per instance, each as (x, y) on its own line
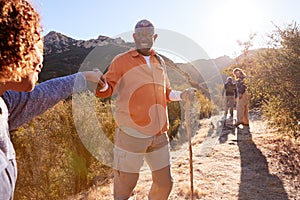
(64, 55)
(57, 43)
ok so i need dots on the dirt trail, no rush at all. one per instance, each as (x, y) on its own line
(228, 164)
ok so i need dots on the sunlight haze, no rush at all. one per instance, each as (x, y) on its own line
(215, 25)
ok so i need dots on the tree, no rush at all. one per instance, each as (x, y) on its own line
(277, 79)
(274, 78)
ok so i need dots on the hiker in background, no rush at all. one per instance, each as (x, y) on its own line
(139, 78)
(230, 94)
(21, 57)
(242, 98)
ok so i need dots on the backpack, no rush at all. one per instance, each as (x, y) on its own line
(230, 88)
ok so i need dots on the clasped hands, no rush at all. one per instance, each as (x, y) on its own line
(96, 76)
(188, 94)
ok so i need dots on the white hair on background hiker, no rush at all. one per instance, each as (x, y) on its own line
(229, 78)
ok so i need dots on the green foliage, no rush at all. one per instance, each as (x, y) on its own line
(206, 107)
(174, 111)
(273, 78)
(279, 73)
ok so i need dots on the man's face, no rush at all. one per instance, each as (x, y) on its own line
(144, 39)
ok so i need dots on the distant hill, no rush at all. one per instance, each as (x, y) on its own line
(64, 55)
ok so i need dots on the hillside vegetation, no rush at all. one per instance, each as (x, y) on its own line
(54, 163)
(273, 78)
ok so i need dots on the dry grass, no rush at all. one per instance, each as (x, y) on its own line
(259, 165)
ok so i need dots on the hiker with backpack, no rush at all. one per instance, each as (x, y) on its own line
(139, 79)
(230, 92)
(21, 57)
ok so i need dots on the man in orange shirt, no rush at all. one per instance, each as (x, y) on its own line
(142, 87)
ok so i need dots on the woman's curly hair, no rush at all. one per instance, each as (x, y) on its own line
(20, 32)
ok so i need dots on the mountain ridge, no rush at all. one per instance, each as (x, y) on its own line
(64, 55)
(61, 42)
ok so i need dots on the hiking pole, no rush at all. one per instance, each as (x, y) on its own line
(188, 130)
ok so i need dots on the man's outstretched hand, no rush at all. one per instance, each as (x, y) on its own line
(93, 76)
(188, 94)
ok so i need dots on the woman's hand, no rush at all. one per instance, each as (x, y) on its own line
(96, 76)
(93, 76)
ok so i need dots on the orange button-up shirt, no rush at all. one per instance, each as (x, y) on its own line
(141, 93)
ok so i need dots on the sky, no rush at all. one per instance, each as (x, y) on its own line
(214, 25)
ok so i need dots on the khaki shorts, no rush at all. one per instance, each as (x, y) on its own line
(130, 152)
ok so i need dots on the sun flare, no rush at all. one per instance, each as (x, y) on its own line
(237, 19)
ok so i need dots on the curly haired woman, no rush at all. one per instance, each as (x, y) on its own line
(21, 57)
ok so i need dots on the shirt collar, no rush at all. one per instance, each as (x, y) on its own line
(135, 53)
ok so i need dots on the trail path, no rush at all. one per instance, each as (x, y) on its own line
(228, 164)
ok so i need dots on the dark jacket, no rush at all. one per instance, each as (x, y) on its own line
(241, 86)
